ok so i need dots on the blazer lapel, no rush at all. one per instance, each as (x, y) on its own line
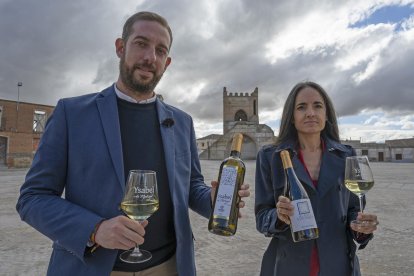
(331, 164)
(301, 172)
(168, 141)
(108, 110)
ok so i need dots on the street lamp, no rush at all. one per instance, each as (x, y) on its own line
(17, 105)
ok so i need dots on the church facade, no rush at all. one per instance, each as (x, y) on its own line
(240, 115)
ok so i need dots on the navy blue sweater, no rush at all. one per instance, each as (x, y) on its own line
(143, 149)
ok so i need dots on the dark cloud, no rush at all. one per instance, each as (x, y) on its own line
(66, 48)
(51, 46)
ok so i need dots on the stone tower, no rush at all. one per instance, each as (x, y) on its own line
(240, 115)
(239, 107)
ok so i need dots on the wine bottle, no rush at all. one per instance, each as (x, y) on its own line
(223, 220)
(302, 223)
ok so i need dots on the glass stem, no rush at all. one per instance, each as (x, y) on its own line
(361, 206)
(136, 252)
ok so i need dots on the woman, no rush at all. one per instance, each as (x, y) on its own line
(309, 130)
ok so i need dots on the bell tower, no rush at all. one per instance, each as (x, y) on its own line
(239, 107)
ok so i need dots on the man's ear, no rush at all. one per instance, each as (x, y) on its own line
(119, 47)
(167, 63)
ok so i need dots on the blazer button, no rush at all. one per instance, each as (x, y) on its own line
(343, 218)
(340, 187)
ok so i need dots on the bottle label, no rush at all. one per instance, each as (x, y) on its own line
(303, 217)
(225, 192)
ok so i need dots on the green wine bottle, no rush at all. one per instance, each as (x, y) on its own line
(223, 220)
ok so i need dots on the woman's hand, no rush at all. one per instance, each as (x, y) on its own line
(367, 223)
(284, 209)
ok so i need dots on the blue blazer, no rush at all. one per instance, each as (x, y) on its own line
(80, 154)
(334, 207)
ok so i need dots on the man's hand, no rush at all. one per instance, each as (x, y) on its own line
(214, 185)
(120, 233)
(243, 192)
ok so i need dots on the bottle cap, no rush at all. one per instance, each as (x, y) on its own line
(285, 156)
(237, 142)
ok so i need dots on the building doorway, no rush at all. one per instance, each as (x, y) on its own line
(380, 156)
(3, 150)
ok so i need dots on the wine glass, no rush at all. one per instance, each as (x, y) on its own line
(358, 179)
(139, 203)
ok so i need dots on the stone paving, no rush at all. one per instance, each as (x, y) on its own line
(24, 251)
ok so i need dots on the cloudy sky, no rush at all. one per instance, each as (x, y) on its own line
(362, 52)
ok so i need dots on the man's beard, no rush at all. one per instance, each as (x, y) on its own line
(127, 77)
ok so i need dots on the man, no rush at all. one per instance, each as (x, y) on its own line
(90, 144)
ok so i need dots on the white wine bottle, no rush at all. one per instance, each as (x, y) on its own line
(302, 223)
(223, 220)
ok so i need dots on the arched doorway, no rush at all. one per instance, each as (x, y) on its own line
(240, 116)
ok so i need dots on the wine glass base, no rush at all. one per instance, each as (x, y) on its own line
(134, 258)
(363, 223)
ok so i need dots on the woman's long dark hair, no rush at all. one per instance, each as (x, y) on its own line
(287, 130)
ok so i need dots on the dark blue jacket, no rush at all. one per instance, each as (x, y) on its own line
(334, 207)
(81, 154)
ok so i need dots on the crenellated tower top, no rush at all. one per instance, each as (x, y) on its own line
(239, 107)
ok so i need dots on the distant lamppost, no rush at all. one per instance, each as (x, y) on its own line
(18, 100)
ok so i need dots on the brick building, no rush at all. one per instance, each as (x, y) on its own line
(21, 126)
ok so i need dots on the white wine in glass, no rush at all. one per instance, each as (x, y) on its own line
(139, 203)
(358, 178)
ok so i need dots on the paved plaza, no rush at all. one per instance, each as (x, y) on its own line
(24, 251)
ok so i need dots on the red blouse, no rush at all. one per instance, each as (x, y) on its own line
(314, 261)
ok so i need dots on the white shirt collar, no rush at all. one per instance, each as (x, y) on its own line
(125, 97)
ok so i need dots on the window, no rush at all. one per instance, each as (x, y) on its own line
(398, 156)
(1, 117)
(39, 121)
(254, 108)
(365, 152)
(240, 116)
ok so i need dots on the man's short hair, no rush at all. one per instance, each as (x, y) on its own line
(144, 16)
